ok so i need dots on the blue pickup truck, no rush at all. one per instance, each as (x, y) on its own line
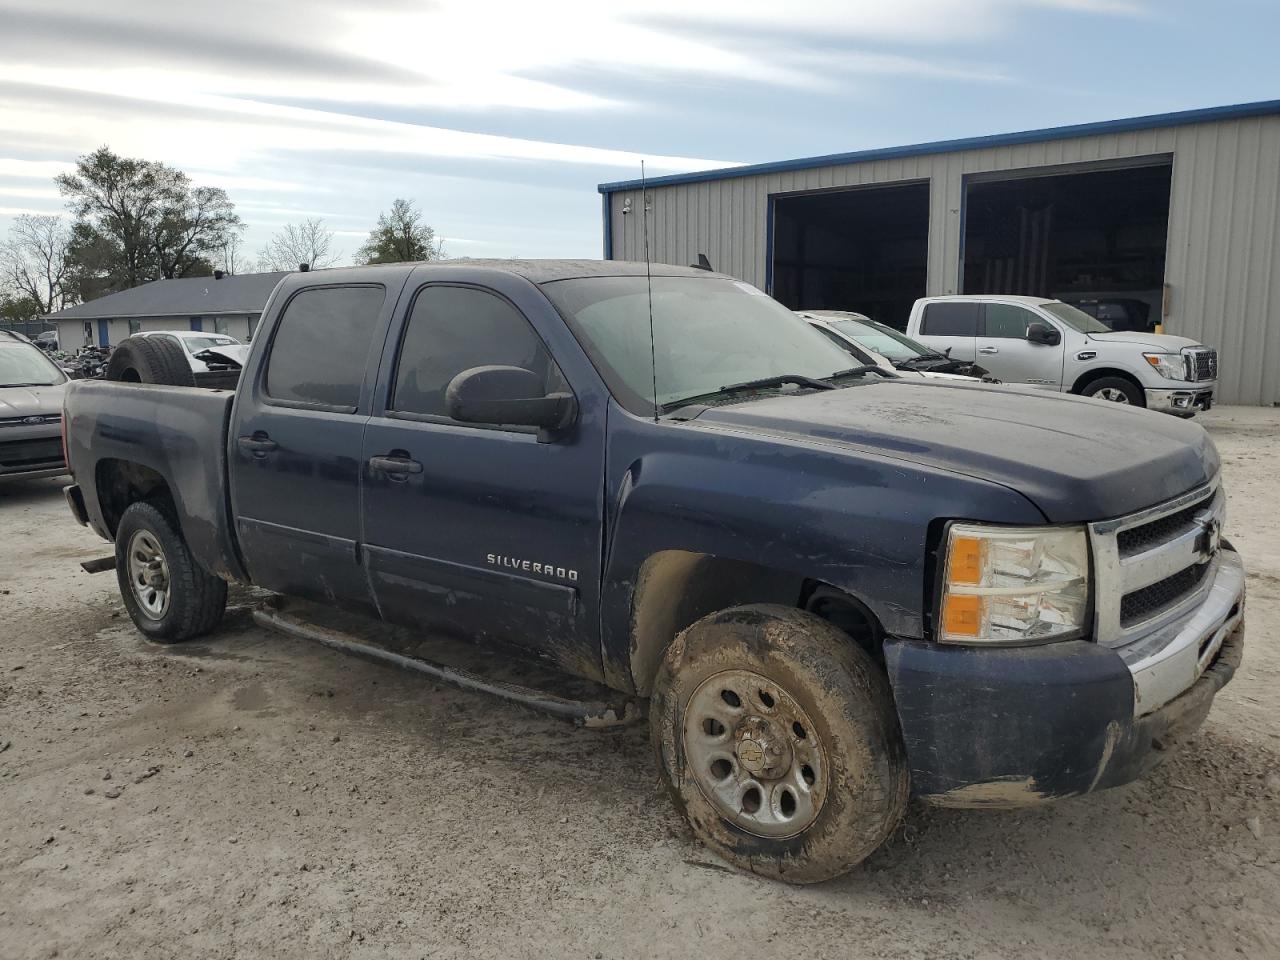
(834, 588)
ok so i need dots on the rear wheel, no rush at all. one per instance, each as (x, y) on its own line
(169, 596)
(779, 741)
(1115, 390)
(150, 360)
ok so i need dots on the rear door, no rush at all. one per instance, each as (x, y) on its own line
(951, 325)
(297, 432)
(481, 531)
(1003, 347)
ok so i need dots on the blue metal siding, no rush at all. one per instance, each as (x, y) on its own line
(104, 333)
(1129, 124)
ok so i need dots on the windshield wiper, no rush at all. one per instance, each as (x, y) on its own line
(764, 383)
(931, 357)
(863, 370)
(3, 385)
(799, 379)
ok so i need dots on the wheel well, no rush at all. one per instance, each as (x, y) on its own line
(121, 483)
(677, 588)
(847, 612)
(1089, 377)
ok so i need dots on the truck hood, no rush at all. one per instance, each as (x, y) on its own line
(1075, 459)
(1155, 342)
(31, 401)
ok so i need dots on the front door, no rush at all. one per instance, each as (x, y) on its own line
(479, 531)
(295, 454)
(1003, 347)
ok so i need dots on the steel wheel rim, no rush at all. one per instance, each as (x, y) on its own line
(148, 574)
(1114, 394)
(760, 762)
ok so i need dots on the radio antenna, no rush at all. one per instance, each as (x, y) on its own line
(648, 279)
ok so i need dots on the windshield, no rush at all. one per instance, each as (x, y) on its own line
(707, 333)
(22, 365)
(883, 340)
(196, 344)
(1076, 319)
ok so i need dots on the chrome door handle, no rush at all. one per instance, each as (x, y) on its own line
(395, 465)
(257, 445)
(988, 349)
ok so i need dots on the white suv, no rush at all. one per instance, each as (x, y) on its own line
(1053, 346)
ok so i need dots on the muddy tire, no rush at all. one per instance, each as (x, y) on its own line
(169, 596)
(150, 360)
(779, 741)
(1115, 390)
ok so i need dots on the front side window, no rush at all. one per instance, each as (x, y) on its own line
(452, 329)
(950, 320)
(708, 333)
(321, 346)
(1006, 321)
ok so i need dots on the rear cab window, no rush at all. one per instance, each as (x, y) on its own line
(950, 320)
(319, 352)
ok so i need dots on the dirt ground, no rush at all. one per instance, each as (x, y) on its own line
(256, 796)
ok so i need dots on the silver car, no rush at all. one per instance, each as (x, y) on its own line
(31, 388)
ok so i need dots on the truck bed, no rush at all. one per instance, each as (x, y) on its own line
(123, 435)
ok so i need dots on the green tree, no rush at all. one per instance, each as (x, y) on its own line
(140, 220)
(20, 309)
(399, 237)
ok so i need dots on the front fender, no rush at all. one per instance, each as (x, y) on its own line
(855, 520)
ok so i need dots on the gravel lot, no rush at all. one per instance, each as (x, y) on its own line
(251, 795)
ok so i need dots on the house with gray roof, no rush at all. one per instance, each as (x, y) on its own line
(222, 303)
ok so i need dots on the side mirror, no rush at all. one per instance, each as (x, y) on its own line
(511, 396)
(1038, 332)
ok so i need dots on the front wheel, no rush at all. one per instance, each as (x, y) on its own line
(779, 741)
(1115, 390)
(169, 596)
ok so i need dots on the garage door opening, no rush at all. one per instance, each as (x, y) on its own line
(1095, 239)
(864, 249)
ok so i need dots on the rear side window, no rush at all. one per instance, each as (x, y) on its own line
(452, 329)
(950, 320)
(320, 348)
(1006, 322)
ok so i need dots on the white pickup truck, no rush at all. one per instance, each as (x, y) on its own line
(1054, 346)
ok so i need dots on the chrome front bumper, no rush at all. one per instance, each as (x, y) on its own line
(1183, 402)
(1168, 661)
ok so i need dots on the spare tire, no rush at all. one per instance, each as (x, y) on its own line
(150, 360)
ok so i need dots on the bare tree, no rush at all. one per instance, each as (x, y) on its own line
(232, 260)
(306, 242)
(33, 261)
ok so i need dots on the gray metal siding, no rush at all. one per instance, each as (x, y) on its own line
(1224, 226)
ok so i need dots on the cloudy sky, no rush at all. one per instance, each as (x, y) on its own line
(499, 117)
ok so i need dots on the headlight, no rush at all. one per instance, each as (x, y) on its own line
(1013, 584)
(1168, 365)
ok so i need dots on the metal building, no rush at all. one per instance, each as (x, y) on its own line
(1165, 222)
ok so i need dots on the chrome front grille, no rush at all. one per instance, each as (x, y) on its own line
(32, 420)
(1152, 567)
(1202, 363)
